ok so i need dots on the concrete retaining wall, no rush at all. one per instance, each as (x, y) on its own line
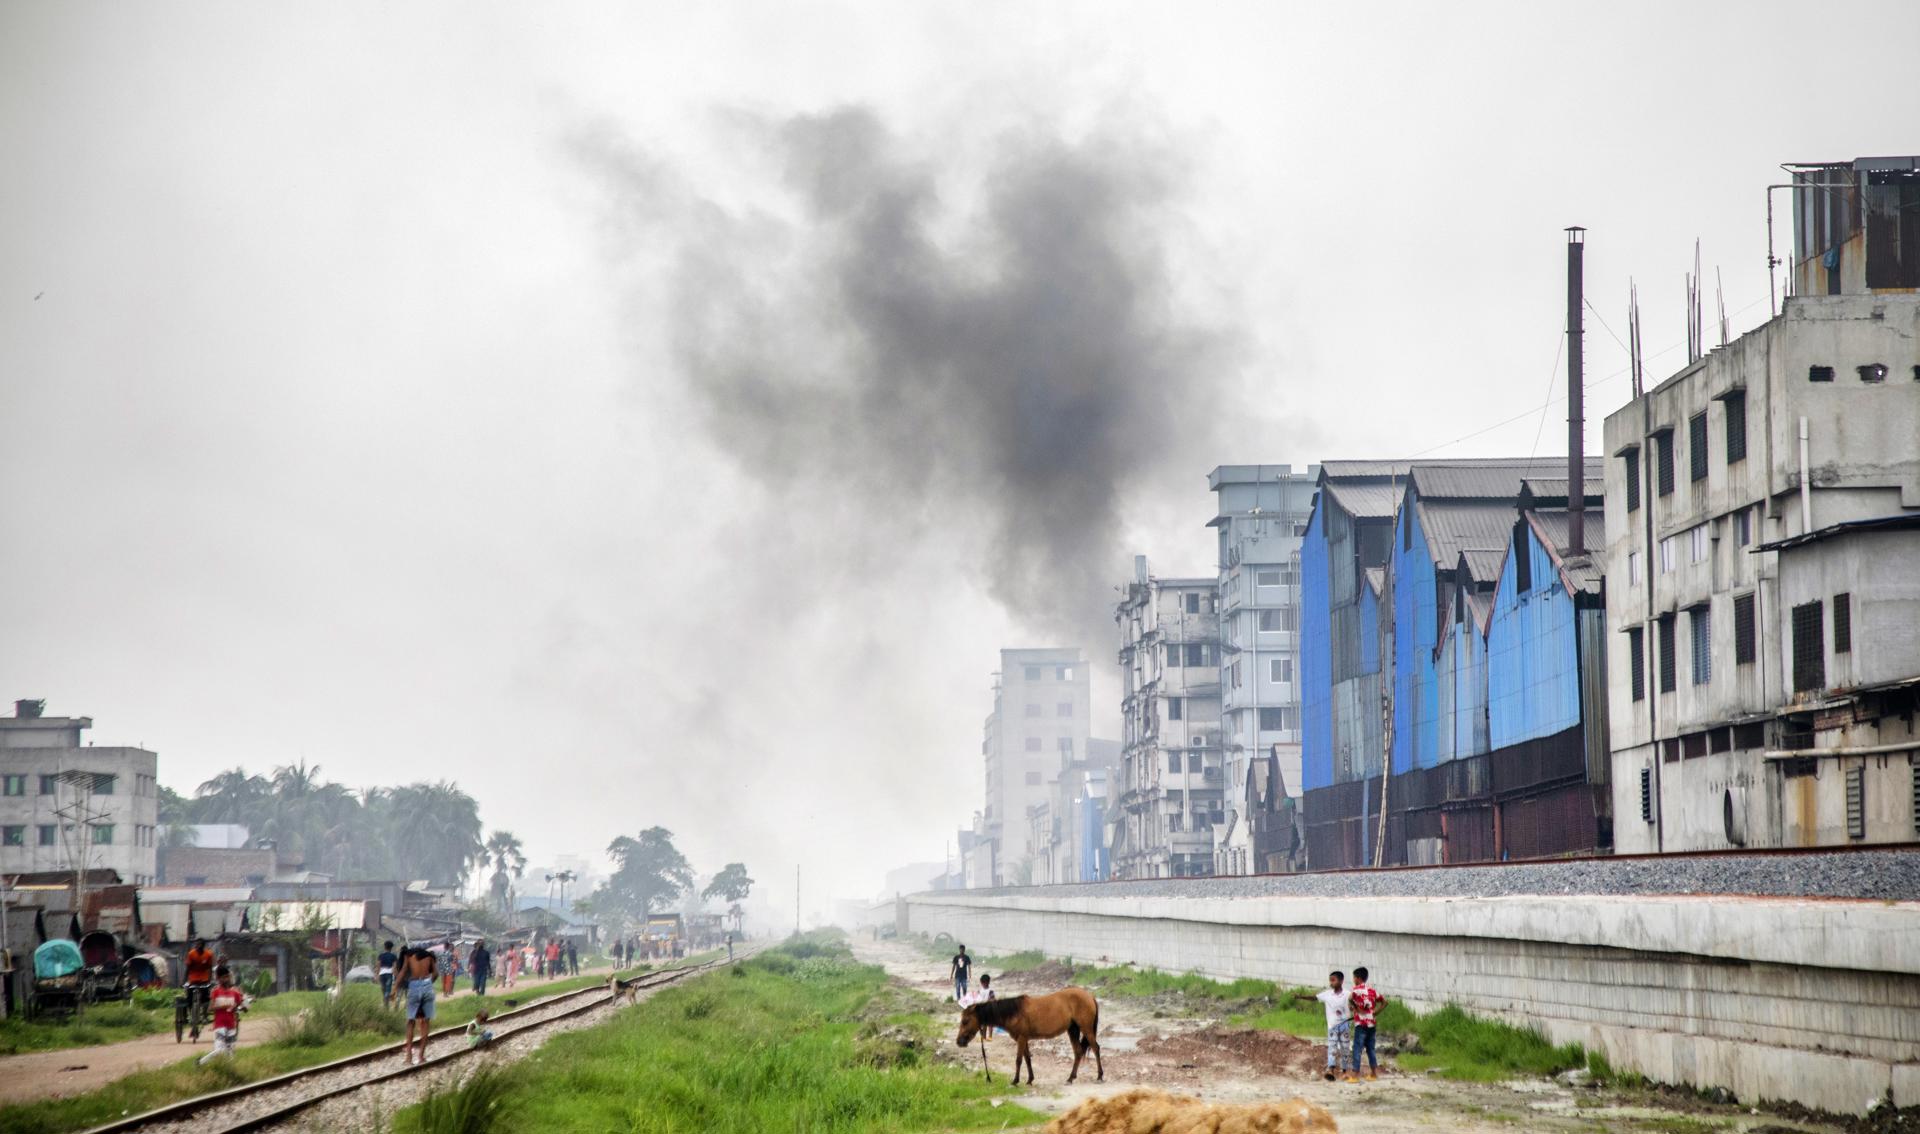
(1816, 1002)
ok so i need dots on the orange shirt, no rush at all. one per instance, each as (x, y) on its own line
(199, 966)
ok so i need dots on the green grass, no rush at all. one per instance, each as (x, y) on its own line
(145, 1090)
(1125, 980)
(103, 1023)
(804, 1039)
(329, 1029)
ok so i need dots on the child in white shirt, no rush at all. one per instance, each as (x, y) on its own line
(1339, 1023)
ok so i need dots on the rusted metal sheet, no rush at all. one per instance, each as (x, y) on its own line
(1552, 823)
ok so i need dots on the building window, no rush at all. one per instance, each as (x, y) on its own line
(13, 835)
(1280, 670)
(1063, 673)
(1637, 662)
(1736, 404)
(1033, 673)
(1197, 654)
(1633, 567)
(1856, 803)
(1065, 744)
(13, 785)
(1173, 656)
(1173, 762)
(1669, 554)
(102, 834)
(1632, 460)
(1033, 744)
(1033, 779)
(49, 785)
(1646, 795)
(1698, 544)
(1809, 648)
(1063, 709)
(1697, 446)
(1843, 623)
(1702, 644)
(102, 783)
(1819, 373)
(1266, 578)
(1663, 461)
(1872, 372)
(49, 834)
(1193, 602)
(1195, 761)
(1033, 711)
(1668, 666)
(1173, 708)
(1743, 527)
(1269, 622)
(1744, 647)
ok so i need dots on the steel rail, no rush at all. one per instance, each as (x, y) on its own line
(591, 997)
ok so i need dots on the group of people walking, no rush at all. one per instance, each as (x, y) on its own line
(1351, 1023)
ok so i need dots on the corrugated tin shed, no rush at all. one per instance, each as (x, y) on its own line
(1483, 564)
(1378, 500)
(1452, 528)
(1365, 468)
(1556, 487)
(1491, 478)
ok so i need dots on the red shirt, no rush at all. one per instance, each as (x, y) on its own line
(226, 1006)
(199, 966)
(1364, 1001)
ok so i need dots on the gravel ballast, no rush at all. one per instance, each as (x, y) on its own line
(1889, 875)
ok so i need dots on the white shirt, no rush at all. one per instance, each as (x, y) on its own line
(1336, 1003)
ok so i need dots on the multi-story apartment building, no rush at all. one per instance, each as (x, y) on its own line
(66, 805)
(1763, 552)
(1261, 513)
(1039, 725)
(1173, 778)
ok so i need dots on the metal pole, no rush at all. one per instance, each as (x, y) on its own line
(1576, 390)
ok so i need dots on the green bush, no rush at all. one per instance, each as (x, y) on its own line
(357, 1010)
(478, 1104)
(154, 999)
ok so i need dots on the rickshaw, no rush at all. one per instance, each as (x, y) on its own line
(111, 978)
(61, 980)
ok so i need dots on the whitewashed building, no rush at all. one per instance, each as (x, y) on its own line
(66, 804)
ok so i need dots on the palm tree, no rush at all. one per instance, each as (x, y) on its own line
(231, 797)
(436, 832)
(509, 862)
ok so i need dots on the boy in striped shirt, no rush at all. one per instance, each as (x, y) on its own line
(1364, 1001)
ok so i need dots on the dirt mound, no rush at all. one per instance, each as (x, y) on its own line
(1266, 1052)
(1154, 1112)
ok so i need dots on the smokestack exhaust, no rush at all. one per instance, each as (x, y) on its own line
(1576, 389)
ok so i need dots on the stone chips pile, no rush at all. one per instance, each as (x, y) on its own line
(1156, 1112)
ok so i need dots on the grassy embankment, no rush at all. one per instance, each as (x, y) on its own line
(303, 1029)
(801, 1038)
(1452, 1041)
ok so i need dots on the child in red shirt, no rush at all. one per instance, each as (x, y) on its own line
(227, 1003)
(1364, 1001)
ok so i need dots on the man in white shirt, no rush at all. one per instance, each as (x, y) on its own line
(1339, 1023)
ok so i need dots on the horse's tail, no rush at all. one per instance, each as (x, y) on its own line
(1073, 1033)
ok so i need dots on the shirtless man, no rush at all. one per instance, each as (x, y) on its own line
(416, 975)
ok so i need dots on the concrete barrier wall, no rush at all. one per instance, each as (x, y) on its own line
(1816, 1002)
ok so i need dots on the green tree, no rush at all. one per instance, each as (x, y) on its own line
(730, 885)
(509, 862)
(176, 819)
(231, 797)
(434, 830)
(648, 873)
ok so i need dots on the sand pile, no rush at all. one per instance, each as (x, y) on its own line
(1155, 1112)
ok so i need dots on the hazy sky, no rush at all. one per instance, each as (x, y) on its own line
(662, 413)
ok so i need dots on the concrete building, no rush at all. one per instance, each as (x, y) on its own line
(1763, 553)
(1173, 777)
(65, 805)
(1261, 513)
(1039, 725)
(1073, 822)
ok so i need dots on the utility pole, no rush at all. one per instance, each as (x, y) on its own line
(796, 898)
(1576, 392)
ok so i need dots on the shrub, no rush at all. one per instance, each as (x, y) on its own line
(476, 1105)
(356, 1009)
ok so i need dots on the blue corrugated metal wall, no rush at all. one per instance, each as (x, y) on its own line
(1533, 668)
(1316, 657)
(1416, 688)
(1462, 673)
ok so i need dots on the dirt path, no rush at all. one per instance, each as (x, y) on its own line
(76, 1070)
(1151, 1046)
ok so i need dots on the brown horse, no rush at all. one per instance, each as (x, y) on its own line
(1071, 1010)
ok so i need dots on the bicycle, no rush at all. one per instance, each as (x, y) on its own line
(190, 1011)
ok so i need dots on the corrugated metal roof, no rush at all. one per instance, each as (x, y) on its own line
(1581, 572)
(1483, 564)
(1556, 487)
(1333, 469)
(1453, 528)
(1554, 526)
(1493, 477)
(1366, 499)
(296, 915)
(198, 895)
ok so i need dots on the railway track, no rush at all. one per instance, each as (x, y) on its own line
(275, 1102)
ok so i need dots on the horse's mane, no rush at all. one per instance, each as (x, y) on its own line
(998, 1012)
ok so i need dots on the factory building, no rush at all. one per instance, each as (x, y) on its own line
(1763, 553)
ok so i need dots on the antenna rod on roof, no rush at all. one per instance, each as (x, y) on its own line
(1576, 390)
